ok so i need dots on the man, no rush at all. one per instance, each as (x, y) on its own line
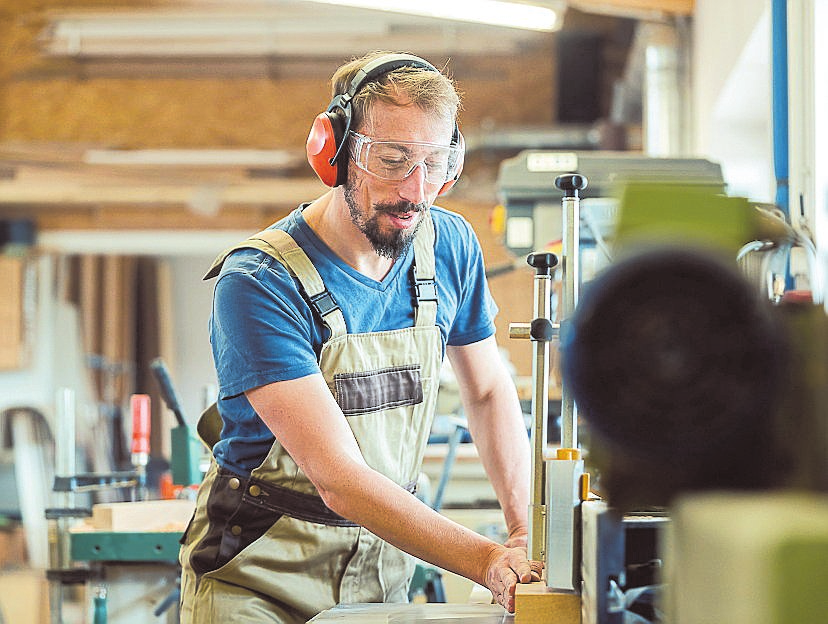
(328, 332)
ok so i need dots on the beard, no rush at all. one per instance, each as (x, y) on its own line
(388, 244)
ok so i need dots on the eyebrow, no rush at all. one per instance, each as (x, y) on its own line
(405, 149)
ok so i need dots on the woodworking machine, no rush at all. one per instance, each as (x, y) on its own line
(128, 552)
(692, 370)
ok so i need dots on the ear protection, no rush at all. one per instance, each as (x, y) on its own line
(328, 138)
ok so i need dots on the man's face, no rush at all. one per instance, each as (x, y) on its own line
(388, 213)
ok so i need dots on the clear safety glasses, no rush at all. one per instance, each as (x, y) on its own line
(396, 160)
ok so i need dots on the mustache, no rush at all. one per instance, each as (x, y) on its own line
(400, 207)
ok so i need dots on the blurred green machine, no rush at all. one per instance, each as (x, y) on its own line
(702, 384)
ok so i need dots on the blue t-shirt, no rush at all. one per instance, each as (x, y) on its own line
(262, 329)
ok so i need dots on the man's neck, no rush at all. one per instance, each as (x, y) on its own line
(330, 220)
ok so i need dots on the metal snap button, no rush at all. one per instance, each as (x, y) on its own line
(255, 490)
(234, 483)
(236, 529)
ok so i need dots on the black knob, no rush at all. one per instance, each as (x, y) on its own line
(542, 262)
(571, 183)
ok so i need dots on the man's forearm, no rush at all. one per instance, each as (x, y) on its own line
(387, 510)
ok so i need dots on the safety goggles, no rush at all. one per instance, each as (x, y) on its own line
(396, 160)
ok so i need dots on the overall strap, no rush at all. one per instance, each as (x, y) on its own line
(423, 273)
(281, 246)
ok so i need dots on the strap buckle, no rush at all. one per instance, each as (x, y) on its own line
(323, 303)
(425, 290)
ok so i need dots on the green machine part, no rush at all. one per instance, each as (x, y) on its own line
(797, 584)
(125, 546)
(667, 214)
(185, 458)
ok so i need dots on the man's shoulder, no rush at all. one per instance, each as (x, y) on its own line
(251, 259)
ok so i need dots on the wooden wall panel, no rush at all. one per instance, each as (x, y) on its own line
(53, 100)
(66, 103)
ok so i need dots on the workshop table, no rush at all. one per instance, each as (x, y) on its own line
(429, 613)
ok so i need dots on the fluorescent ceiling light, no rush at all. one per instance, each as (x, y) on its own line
(496, 12)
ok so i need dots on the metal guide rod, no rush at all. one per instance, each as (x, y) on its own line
(541, 334)
(65, 447)
(570, 184)
(541, 331)
(65, 454)
(563, 474)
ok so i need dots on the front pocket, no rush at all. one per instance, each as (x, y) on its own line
(373, 391)
(234, 524)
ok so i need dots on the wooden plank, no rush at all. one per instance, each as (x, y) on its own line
(157, 515)
(12, 334)
(674, 7)
(89, 304)
(165, 318)
(111, 323)
(128, 310)
(147, 217)
(537, 604)
(24, 596)
(66, 192)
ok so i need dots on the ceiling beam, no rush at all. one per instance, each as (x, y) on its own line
(622, 7)
(200, 198)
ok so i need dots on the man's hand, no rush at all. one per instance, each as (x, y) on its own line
(506, 568)
(519, 538)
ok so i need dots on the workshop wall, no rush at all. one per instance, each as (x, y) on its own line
(166, 104)
(135, 106)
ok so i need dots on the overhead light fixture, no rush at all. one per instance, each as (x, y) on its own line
(270, 28)
(495, 12)
(190, 157)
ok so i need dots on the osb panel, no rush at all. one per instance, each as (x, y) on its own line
(500, 91)
(163, 113)
(52, 100)
(138, 113)
(135, 217)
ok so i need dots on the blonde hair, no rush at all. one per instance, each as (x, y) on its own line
(433, 92)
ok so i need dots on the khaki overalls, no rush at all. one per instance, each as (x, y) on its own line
(266, 548)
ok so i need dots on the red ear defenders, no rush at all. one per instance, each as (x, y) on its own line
(327, 141)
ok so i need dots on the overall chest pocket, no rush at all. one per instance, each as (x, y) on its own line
(373, 391)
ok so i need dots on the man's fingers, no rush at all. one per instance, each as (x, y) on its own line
(511, 568)
(523, 568)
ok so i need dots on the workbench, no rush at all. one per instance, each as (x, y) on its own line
(430, 613)
(131, 549)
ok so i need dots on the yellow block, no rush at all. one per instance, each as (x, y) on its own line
(537, 604)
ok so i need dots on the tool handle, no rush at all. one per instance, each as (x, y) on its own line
(99, 616)
(140, 404)
(542, 261)
(162, 375)
(571, 184)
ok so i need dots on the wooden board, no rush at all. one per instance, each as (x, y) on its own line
(24, 597)
(13, 351)
(160, 515)
(675, 7)
(536, 604)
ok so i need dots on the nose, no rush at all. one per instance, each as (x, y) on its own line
(413, 187)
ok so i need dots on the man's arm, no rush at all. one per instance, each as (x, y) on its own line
(306, 420)
(497, 427)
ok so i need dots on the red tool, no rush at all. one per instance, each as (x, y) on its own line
(141, 418)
